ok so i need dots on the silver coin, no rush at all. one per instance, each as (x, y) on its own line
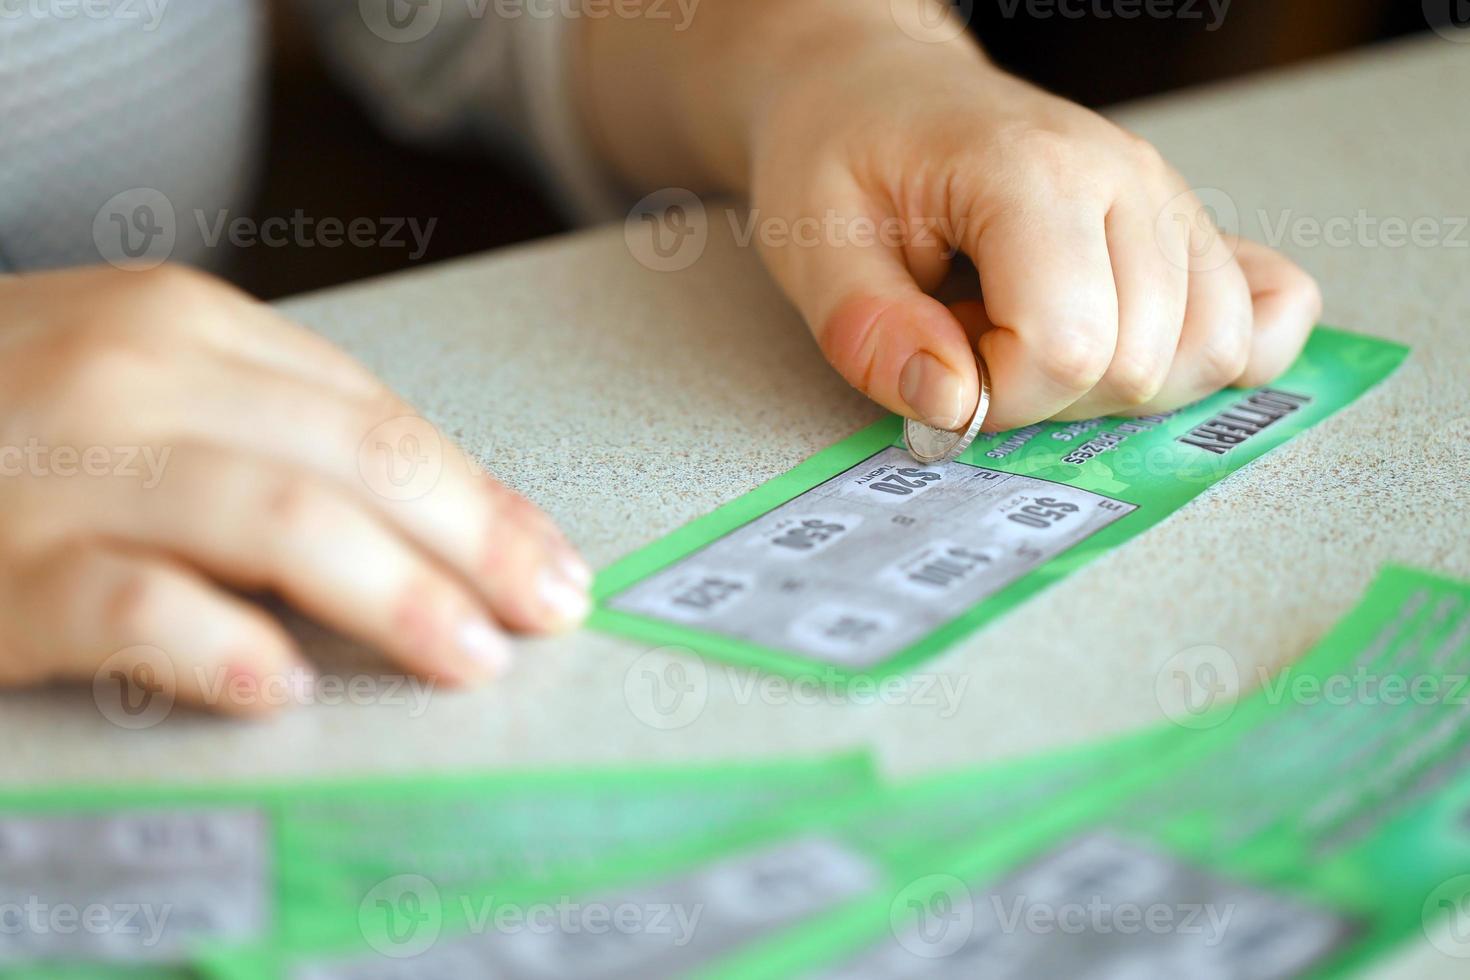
(930, 445)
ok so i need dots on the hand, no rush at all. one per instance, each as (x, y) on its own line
(1106, 289)
(165, 439)
(872, 156)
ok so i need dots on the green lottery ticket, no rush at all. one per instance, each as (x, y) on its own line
(1301, 834)
(691, 906)
(115, 882)
(861, 560)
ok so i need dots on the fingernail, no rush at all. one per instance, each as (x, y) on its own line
(566, 600)
(932, 391)
(573, 568)
(484, 644)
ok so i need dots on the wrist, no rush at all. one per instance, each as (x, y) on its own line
(777, 59)
(688, 103)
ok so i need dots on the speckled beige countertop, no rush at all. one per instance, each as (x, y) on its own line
(628, 401)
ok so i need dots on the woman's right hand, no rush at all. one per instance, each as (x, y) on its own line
(166, 440)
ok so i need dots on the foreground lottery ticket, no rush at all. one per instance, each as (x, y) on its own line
(860, 559)
(1301, 834)
(689, 907)
(123, 882)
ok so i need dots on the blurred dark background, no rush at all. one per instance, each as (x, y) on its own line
(327, 158)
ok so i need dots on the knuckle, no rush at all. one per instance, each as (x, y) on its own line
(92, 366)
(298, 503)
(1137, 380)
(1224, 357)
(1045, 158)
(1144, 156)
(169, 299)
(1076, 362)
(137, 606)
(168, 281)
(1311, 297)
(1036, 144)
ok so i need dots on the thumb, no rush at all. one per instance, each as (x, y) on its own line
(899, 346)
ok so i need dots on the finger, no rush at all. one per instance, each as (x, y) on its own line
(397, 464)
(83, 609)
(888, 339)
(259, 524)
(1047, 282)
(1287, 303)
(1215, 342)
(173, 307)
(1150, 260)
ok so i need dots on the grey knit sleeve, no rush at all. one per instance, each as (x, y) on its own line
(492, 72)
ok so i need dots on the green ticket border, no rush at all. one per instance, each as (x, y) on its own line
(1371, 361)
(303, 883)
(824, 943)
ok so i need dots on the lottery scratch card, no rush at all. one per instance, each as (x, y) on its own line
(126, 881)
(861, 559)
(1301, 833)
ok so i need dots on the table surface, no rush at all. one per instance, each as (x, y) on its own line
(628, 401)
